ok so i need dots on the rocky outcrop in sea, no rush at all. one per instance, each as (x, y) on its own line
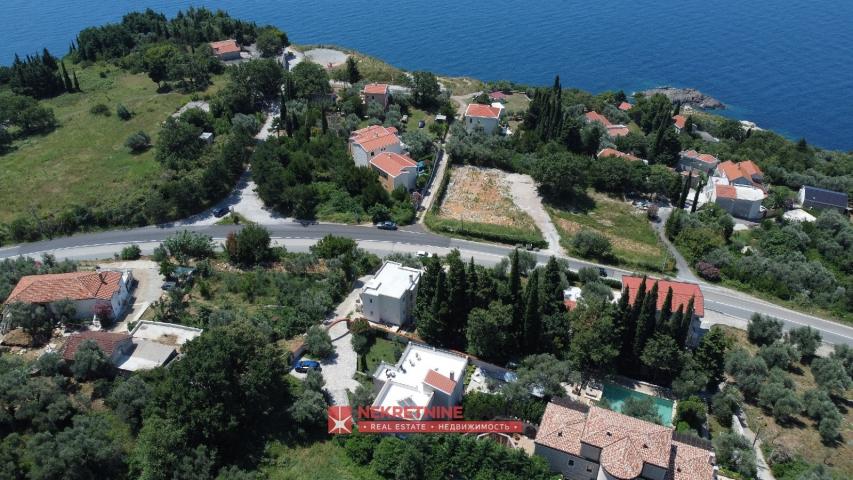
(687, 96)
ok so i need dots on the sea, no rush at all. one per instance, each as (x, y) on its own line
(785, 64)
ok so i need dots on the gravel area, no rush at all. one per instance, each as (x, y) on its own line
(527, 198)
(326, 56)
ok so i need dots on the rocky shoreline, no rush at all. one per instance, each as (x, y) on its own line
(687, 96)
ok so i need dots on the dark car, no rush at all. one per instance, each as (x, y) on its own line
(602, 272)
(387, 226)
(421, 124)
(221, 212)
(303, 366)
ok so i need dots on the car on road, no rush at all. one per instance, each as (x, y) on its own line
(386, 226)
(425, 254)
(221, 212)
(303, 366)
(602, 272)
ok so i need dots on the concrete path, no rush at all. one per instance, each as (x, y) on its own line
(684, 272)
(527, 198)
(431, 190)
(148, 289)
(741, 427)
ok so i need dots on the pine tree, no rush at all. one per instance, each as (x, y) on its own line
(550, 299)
(665, 312)
(685, 323)
(646, 322)
(532, 330)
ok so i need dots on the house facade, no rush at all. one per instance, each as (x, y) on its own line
(591, 443)
(226, 49)
(682, 293)
(390, 296)
(85, 289)
(376, 93)
(424, 376)
(395, 170)
(819, 198)
(679, 122)
(487, 117)
(693, 160)
(368, 142)
(739, 200)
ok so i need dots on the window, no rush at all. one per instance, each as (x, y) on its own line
(571, 462)
(589, 468)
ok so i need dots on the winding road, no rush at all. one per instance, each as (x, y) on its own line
(722, 305)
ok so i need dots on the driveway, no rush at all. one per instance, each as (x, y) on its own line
(338, 371)
(527, 198)
(244, 200)
(147, 290)
(684, 272)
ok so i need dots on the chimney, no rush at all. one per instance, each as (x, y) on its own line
(452, 376)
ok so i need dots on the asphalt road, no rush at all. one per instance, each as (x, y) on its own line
(729, 306)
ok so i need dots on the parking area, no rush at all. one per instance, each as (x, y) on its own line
(146, 291)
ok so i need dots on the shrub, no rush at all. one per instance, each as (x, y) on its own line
(830, 374)
(123, 113)
(590, 244)
(138, 141)
(806, 340)
(763, 330)
(100, 109)
(735, 452)
(692, 411)
(318, 343)
(131, 252)
(778, 355)
(726, 403)
(708, 271)
(250, 246)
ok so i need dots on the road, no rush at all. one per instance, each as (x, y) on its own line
(736, 306)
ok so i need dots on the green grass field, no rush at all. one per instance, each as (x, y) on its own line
(635, 243)
(324, 460)
(84, 160)
(383, 350)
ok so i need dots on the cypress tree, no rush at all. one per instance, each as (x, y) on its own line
(696, 195)
(457, 297)
(665, 311)
(532, 337)
(473, 285)
(432, 327)
(515, 294)
(675, 322)
(76, 82)
(682, 201)
(685, 323)
(426, 288)
(66, 80)
(289, 87)
(324, 122)
(646, 322)
(629, 323)
(550, 299)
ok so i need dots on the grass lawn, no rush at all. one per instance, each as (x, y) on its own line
(383, 350)
(516, 103)
(324, 460)
(801, 437)
(461, 85)
(635, 243)
(415, 116)
(84, 160)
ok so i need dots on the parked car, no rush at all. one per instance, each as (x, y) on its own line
(602, 272)
(221, 212)
(303, 366)
(421, 124)
(168, 285)
(386, 226)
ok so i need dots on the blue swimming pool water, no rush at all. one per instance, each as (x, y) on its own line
(616, 396)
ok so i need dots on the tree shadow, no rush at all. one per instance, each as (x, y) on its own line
(576, 204)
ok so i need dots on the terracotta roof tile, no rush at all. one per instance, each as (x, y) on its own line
(691, 463)
(612, 152)
(392, 163)
(484, 111)
(725, 191)
(682, 292)
(439, 382)
(561, 428)
(703, 157)
(374, 137)
(498, 95)
(224, 46)
(618, 130)
(680, 121)
(749, 168)
(60, 286)
(570, 304)
(376, 89)
(625, 106)
(597, 117)
(107, 342)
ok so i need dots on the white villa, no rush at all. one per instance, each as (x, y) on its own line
(390, 296)
(366, 143)
(487, 117)
(423, 377)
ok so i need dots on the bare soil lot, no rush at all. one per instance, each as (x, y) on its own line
(482, 195)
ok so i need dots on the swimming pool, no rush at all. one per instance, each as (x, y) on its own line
(616, 395)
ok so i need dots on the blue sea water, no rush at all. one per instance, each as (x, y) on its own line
(784, 64)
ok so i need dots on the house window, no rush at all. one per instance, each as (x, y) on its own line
(589, 468)
(571, 462)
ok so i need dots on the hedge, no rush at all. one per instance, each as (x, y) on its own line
(485, 231)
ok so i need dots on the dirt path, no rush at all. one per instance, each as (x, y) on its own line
(523, 190)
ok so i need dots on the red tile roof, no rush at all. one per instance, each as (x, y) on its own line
(484, 111)
(733, 171)
(618, 130)
(392, 163)
(224, 46)
(625, 106)
(374, 137)
(570, 304)
(680, 121)
(704, 157)
(597, 117)
(626, 443)
(107, 342)
(60, 286)
(439, 382)
(750, 168)
(498, 95)
(376, 89)
(682, 292)
(725, 191)
(612, 152)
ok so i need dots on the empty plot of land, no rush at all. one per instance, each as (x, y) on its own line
(482, 195)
